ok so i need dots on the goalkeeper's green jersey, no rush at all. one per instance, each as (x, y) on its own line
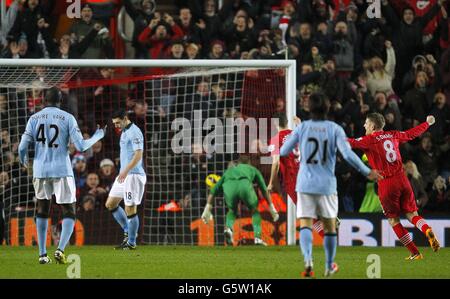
(240, 172)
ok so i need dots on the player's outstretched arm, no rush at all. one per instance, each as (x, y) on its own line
(78, 140)
(416, 131)
(207, 215)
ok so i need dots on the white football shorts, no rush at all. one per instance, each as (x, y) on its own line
(63, 188)
(131, 190)
(314, 205)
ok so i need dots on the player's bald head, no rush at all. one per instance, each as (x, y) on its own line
(53, 97)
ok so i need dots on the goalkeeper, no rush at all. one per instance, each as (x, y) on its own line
(237, 184)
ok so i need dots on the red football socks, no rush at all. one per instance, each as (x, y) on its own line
(405, 238)
(420, 223)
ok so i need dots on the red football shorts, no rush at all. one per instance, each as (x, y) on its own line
(396, 196)
(289, 188)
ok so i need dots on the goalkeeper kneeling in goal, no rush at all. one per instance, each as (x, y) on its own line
(237, 184)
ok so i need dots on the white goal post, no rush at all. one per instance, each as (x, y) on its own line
(13, 69)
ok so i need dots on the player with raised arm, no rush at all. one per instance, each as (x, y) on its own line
(318, 140)
(237, 184)
(130, 183)
(288, 166)
(395, 192)
(50, 130)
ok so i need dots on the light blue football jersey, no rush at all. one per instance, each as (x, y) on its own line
(318, 142)
(131, 140)
(50, 130)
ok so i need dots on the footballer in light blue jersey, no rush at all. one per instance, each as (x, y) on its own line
(130, 183)
(131, 140)
(50, 131)
(318, 141)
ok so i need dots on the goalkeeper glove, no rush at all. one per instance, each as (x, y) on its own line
(274, 213)
(207, 216)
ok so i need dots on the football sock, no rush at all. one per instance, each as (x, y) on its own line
(133, 227)
(420, 223)
(256, 221)
(329, 244)
(121, 218)
(231, 218)
(306, 242)
(405, 238)
(41, 227)
(318, 227)
(66, 232)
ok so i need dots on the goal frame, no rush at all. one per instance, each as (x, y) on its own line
(289, 65)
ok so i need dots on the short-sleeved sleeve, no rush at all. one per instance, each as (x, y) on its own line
(137, 140)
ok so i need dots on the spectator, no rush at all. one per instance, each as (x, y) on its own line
(79, 170)
(445, 73)
(212, 21)
(287, 17)
(107, 174)
(417, 101)
(417, 184)
(441, 111)
(101, 47)
(88, 203)
(141, 16)
(176, 50)
(389, 113)
(407, 34)
(93, 187)
(380, 76)
(158, 34)
(440, 197)
(192, 31)
(240, 37)
(217, 50)
(4, 111)
(344, 38)
(19, 50)
(192, 51)
(97, 155)
(68, 48)
(427, 160)
(10, 17)
(26, 25)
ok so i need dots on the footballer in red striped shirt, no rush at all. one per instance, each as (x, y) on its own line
(394, 190)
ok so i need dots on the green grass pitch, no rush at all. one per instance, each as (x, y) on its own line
(220, 262)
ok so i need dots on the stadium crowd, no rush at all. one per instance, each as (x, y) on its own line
(397, 65)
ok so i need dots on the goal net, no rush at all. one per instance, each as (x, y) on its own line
(198, 117)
